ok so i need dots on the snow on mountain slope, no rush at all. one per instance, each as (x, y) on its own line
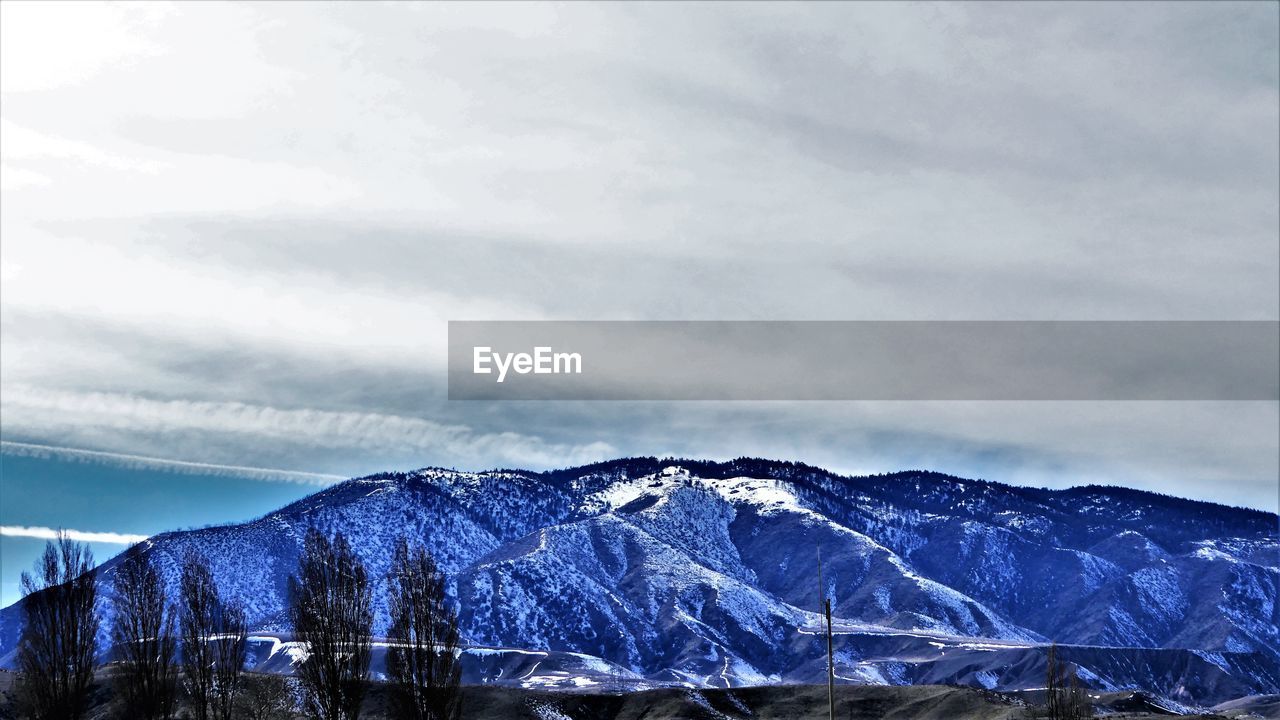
(704, 573)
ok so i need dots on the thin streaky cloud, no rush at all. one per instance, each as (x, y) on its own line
(41, 413)
(46, 533)
(142, 462)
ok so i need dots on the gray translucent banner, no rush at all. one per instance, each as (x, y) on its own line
(857, 360)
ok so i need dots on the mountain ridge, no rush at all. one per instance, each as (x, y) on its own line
(701, 572)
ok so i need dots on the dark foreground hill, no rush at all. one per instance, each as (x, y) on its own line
(779, 702)
(702, 575)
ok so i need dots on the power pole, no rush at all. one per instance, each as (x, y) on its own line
(831, 665)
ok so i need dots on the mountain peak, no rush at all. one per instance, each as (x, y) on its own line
(704, 571)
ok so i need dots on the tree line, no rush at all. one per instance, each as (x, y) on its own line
(184, 657)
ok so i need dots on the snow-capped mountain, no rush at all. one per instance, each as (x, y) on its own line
(680, 571)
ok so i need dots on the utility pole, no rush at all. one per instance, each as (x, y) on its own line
(825, 602)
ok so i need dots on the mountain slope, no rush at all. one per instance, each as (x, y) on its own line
(703, 573)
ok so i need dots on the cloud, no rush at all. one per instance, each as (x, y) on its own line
(44, 533)
(140, 462)
(100, 33)
(52, 413)
(246, 253)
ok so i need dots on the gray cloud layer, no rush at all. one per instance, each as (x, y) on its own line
(233, 234)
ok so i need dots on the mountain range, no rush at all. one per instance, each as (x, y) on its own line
(647, 572)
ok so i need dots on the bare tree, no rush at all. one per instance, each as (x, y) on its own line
(1065, 699)
(1078, 705)
(1053, 684)
(198, 600)
(265, 697)
(230, 643)
(331, 606)
(214, 636)
(422, 659)
(58, 643)
(143, 635)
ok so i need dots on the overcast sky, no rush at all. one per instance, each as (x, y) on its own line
(233, 234)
